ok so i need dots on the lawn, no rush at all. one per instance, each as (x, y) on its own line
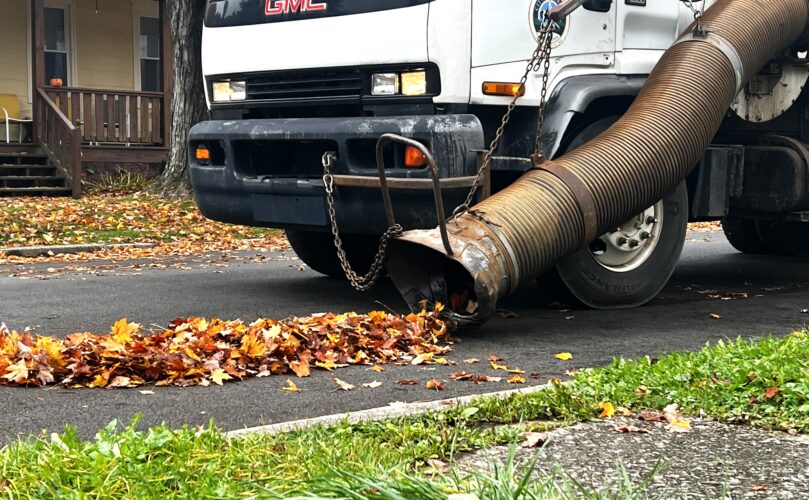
(127, 218)
(763, 383)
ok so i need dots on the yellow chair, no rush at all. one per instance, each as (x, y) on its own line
(10, 114)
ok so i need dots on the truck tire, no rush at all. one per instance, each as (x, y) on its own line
(316, 249)
(790, 238)
(627, 267)
(744, 235)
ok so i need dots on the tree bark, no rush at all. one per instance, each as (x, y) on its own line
(188, 99)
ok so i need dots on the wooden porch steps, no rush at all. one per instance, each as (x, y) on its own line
(26, 171)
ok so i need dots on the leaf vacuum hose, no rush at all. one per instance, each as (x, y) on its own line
(564, 204)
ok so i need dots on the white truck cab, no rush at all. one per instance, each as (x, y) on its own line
(289, 81)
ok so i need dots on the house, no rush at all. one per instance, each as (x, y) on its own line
(92, 76)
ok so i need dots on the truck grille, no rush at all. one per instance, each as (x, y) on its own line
(315, 85)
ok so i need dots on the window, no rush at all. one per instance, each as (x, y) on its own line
(56, 45)
(151, 78)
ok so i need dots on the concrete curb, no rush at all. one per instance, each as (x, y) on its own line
(383, 413)
(62, 249)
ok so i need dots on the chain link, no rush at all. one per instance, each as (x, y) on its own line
(540, 59)
(367, 281)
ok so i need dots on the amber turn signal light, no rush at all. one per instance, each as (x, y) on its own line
(504, 89)
(414, 158)
(202, 154)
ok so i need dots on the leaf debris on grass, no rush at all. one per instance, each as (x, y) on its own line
(197, 351)
(176, 226)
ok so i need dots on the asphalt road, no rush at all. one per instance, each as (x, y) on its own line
(57, 301)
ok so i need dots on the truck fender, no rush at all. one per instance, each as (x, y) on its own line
(575, 95)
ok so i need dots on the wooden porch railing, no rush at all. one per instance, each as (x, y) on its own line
(113, 117)
(60, 139)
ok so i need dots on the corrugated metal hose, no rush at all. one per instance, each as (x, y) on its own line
(515, 235)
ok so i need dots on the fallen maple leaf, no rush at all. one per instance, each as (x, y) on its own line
(372, 385)
(290, 387)
(406, 382)
(435, 384)
(17, 372)
(422, 358)
(471, 361)
(516, 379)
(345, 386)
(376, 368)
(771, 392)
(493, 358)
(714, 316)
(219, 375)
(564, 356)
(534, 439)
(495, 366)
(607, 410)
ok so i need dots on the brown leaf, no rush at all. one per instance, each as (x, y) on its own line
(435, 384)
(751, 376)
(507, 314)
(625, 429)
(471, 361)
(406, 382)
(758, 487)
(493, 358)
(345, 386)
(534, 439)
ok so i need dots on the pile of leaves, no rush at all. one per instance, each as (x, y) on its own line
(138, 218)
(197, 351)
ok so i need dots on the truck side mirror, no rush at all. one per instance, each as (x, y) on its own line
(598, 5)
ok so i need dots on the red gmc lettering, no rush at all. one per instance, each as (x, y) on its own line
(278, 7)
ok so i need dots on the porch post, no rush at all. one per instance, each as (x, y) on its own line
(167, 69)
(38, 64)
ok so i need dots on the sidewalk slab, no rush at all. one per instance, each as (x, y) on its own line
(714, 460)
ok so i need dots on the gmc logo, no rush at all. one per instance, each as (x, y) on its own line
(278, 7)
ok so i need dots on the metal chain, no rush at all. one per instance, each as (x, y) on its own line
(365, 282)
(698, 13)
(541, 54)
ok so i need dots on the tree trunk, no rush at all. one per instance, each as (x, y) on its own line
(188, 99)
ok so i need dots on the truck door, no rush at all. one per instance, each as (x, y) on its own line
(504, 34)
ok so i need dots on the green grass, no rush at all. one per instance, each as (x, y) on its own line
(388, 459)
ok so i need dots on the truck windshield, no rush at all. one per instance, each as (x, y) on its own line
(222, 13)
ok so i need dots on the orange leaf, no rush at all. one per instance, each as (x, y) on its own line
(771, 392)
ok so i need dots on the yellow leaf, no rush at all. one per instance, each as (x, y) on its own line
(122, 330)
(291, 387)
(376, 368)
(607, 410)
(326, 365)
(218, 375)
(17, 373)
(564, 356)
(516, 379)
(422, 358)
(495, 366)
(715, 316)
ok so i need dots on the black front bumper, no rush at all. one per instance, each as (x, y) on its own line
(268, 172)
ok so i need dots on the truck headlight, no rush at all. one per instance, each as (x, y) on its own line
(385, 84)
(229, 91)
(414, 83)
